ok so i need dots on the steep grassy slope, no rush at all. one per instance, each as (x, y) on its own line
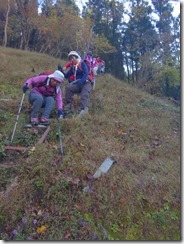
(42, 195)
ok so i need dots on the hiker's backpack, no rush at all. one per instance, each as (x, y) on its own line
(90, 72)
(46, 72)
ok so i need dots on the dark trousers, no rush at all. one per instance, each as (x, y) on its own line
(38, 101)
(83, 91)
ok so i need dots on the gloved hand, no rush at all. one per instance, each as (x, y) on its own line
(77, 82)
(61, 114)
(61, 69)
(73, 82)
(25, 88)
(80, 84)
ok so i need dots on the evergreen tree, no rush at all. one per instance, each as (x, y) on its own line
(139, 37)
(66, 6)
(47, 7)
(106, 17)
(164, 24)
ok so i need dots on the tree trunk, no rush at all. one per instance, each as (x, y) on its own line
(25, 26)
(6, 23)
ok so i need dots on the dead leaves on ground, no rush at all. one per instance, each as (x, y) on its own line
(41, 229)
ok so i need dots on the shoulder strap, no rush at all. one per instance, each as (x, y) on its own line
(79, 65)
(42, 84)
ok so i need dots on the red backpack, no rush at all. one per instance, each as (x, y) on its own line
(46, 72)
(90, 72)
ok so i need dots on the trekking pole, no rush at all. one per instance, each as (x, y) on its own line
(60, 140)
(20, 107)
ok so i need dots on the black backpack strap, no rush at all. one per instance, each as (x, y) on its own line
(44, 83)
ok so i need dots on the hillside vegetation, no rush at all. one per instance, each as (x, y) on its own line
(41, 192)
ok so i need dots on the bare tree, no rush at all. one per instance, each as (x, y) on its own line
(26, 12)
(6, 23)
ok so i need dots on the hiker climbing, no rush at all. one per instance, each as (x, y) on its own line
(93, 66)
(44, 93)
(89, 57)
(79, 85)
(100, 64)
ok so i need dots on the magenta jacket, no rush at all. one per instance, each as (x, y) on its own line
(40, 85)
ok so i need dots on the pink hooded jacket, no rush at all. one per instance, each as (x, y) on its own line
(40, 85)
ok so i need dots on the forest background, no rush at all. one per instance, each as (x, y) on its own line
(143, 49)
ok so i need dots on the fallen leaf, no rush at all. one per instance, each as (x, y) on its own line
(67, 235)
(89, 176)
(64, 217)
(41, 229)
(156, 143)
(75, 181)
(121, 132)
(78, 207)
(122, 201)
(78, 154)
(55, 147)
(39, 213)
(32, 149)
(114, 186)
(68, 178)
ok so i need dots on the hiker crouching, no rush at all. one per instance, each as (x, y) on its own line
(44, 93)
(79, 85)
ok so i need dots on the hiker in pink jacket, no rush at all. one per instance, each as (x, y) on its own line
(89, 57)
(44, 93)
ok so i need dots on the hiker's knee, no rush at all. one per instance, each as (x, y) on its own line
(50, 100)
(34, 97)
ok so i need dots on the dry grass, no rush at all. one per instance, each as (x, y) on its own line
(138, 199)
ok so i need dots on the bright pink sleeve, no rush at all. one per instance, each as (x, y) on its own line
(36, 80)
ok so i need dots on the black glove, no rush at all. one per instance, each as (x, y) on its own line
(60, 68)
(25, 88)
(61, 114)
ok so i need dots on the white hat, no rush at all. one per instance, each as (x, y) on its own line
(57, 75)
(74, 53)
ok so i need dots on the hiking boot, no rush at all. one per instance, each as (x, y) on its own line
(34, 121)
(83, 112)
(44, 121)
(67, 108)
